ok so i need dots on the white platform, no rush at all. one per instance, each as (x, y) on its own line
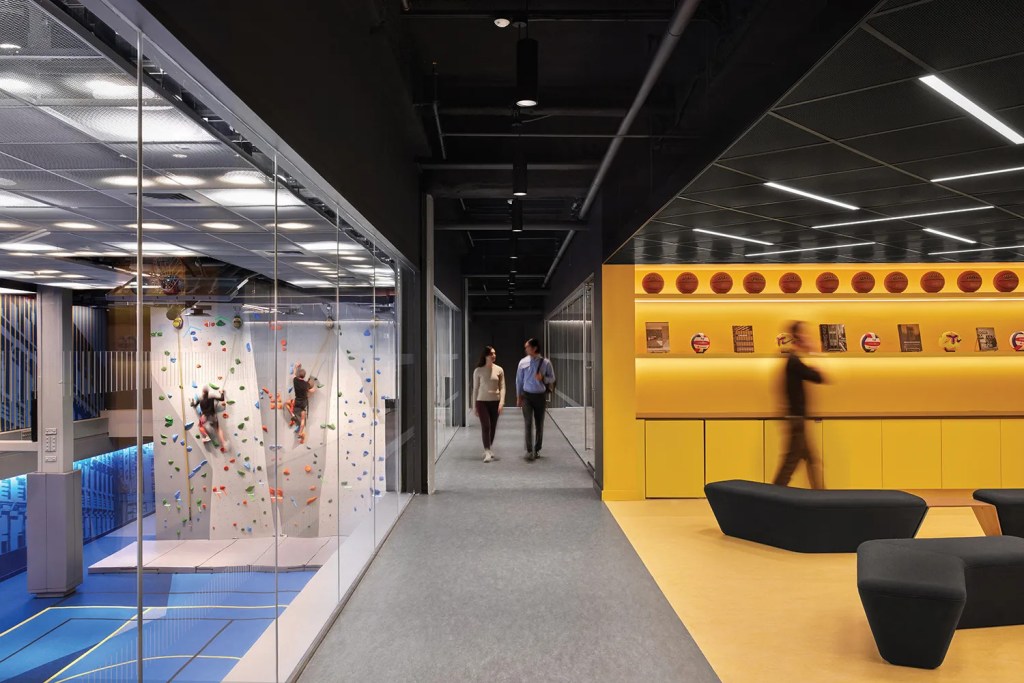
(242, 554)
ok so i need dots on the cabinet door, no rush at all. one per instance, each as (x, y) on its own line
(852, 451)
(675, 458)
(733, 449)
(775, 443)
(1011, 452)
(912, 454)
(970, 454)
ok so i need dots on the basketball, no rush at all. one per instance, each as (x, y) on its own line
(754, 283)
(863, 282)
(721, 283)
(969, 281)
(895, 282)
(686, 283)
(653, 283)
(827, 282)
(1005, 281)
(790, 283)
(932, 281)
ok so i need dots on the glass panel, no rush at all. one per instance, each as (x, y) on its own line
(569, 334)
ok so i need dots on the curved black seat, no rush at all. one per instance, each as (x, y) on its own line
(811, 521)
(917, 592)
(1009, 505)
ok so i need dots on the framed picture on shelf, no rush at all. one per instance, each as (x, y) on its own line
(910, 337)
(657, 338)
(833, 338)
(743, 338)
(987, 339)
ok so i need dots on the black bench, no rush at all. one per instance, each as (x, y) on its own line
(810, 521)
(917, 592)
(1009, 505)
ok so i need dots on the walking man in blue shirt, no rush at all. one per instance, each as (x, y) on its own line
(533, 377)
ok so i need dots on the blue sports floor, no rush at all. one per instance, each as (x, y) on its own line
(195, 626)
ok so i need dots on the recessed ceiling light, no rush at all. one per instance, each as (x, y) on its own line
(294, 226)
(330, 246)
(353, 258)
(186, 180)
(978, 175)
(251, 197)
(10, 200)
(47, 272)
(180, 156)
(16, 86)
(950, 236)
(244, 178)
(108, 90)
(966, 251)
(960, 100)
(309, 263)
(76, 226)
(902, 218)
(816, 197)
(28, 246)
(8, 226)
(152, 226)
(7, 182)
(75, 276)
(793, 251)
(310, 283)
(9, 46)
(732, 237)
(222, 226)
(127, 181)
(502, 22)
(154, 248)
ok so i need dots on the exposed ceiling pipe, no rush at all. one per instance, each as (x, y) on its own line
(683, 14)
(668, 44)
(437, 118)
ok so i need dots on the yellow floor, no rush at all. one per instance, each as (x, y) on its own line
(763, 614)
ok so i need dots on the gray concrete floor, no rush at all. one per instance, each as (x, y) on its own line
(512, 571)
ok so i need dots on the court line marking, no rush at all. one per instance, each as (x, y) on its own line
(145, 659)
(96, 646)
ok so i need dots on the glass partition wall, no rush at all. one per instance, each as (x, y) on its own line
(569, 339)
(251, 346)
(448, 385)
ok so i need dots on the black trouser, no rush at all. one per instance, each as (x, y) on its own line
(798, 449)
(487, 411)
(534, 406)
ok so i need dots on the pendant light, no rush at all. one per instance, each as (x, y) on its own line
(526, 72)
(517, 215)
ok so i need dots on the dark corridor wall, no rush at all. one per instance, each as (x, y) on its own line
(506, 335)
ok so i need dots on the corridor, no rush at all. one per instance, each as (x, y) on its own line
(512, 571)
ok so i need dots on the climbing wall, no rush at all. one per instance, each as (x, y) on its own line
(207, 489)
(323, 486)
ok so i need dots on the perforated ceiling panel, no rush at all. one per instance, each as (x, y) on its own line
(67, 167)
(862, 129)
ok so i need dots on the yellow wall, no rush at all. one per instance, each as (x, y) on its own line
(887, 450)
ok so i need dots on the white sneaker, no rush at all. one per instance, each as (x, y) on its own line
(487, 456)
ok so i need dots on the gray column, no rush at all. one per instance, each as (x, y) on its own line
(55, 490)
(429, 339)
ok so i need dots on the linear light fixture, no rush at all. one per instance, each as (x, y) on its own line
(978, 175)
(966, 251)
(950, 235)
(901, 218)
(960, 100)
(817, 197)
(732, 237)
(793, 251)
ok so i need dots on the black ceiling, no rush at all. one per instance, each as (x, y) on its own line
(863, 129)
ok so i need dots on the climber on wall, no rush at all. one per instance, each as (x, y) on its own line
(208, 409)
(299, 406)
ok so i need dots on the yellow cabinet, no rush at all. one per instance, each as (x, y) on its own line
(733, 449)
(852, 451)
(675, 458)
(776, 437)
(911, 454)
(1011, 452)
(970, 454)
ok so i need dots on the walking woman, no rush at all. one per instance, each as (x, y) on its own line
(488, 397)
